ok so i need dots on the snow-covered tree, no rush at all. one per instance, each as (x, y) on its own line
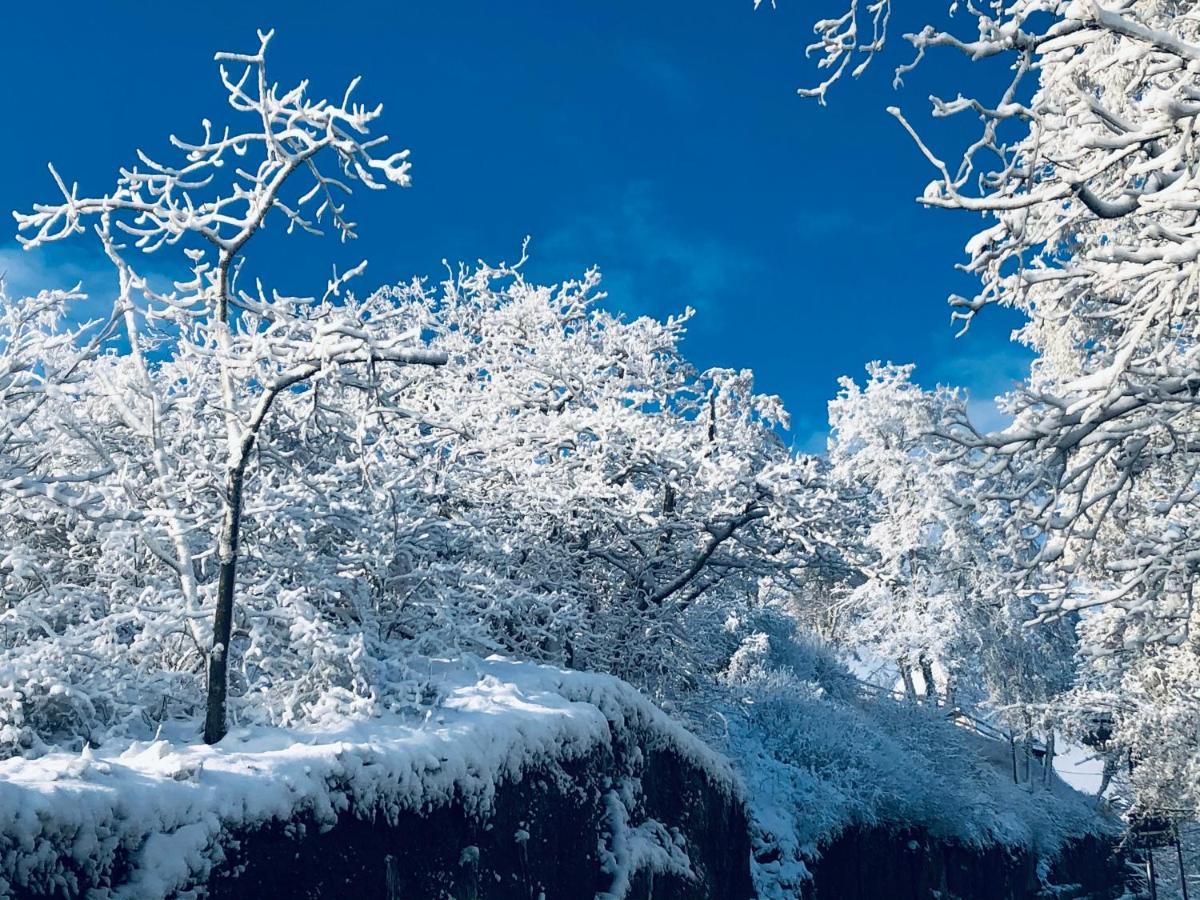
(1086, 167)
(937, 595)
(235, 349)
(880, 441)
(618, 495)
(568, 489)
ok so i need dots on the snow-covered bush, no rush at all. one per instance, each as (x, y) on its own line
(818, 758)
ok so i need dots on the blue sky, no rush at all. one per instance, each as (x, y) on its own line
(662, 141)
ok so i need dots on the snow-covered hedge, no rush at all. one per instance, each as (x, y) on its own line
(150, 818)
(568, 489)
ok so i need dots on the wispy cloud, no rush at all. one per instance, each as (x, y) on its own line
(653, 67)
(986, 416)
(986, 376)
(820, 224)
(65, 267)
(810, 437)
(651, 263)
(25, 273)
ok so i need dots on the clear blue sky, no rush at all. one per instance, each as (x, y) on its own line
(662, 141)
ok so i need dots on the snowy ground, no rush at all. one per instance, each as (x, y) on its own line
(1077, 765)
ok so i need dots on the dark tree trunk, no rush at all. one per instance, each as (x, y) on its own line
(926, 664)
(910, 689)
(218, 655)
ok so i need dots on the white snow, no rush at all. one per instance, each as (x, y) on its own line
(165, 804)
(630, 849)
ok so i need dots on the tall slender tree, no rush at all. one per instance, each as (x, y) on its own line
(294, 160)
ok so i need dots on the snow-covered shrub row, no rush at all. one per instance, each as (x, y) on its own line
(567, 488)
(151, 819)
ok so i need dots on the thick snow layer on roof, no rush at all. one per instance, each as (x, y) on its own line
(163, 805)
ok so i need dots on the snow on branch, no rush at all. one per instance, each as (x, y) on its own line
(285, 131)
